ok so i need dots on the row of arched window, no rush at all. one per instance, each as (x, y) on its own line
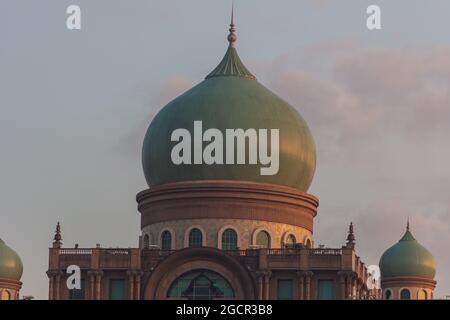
(405, 294)
(228, 239)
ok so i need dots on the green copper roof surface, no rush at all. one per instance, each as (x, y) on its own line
(407, 258)
(10, 263)
(231, 65)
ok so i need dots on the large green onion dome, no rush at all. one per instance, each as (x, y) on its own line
(230, 98)
(10, 264)
(407, 258)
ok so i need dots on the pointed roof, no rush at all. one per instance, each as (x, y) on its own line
(408, 236)
(57, 238)
(350, 236)
(231, 64)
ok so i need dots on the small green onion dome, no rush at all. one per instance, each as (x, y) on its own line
(230, 98)
(11, 267)
(407, 258)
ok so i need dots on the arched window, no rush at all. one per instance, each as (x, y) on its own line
(290, 241)
(195, 238)
(388, 295)
(201, 285)
(146, 241)
(166, 240)
(229, 240)
(308, 244)
(263, 239)
(423, 295)
(405, 294)
(5, 295)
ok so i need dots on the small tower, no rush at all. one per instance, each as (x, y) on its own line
(11, 269)
(350, 237)
(57, 238)
(407, 270)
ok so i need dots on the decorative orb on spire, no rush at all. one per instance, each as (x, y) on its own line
(232, 37)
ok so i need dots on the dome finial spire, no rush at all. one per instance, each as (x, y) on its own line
(350, 236)
(57, 238)
(407, 224)
(232, 36)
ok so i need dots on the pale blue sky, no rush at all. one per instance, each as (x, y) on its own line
(74, 107)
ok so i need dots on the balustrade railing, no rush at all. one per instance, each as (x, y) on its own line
(284, 251)
(74, 251)
(326, 251)
(241, 253)
(115, 252)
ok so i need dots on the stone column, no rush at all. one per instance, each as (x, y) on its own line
(138, 285)
(131, 284)
(348, 289)
(300, 285)
(57, 285)
(267, 285)
(260, 285)
(98, 283)
(308, 276)
(354, 289)
(51, 281)
(358, 289)
(91, 275)
(362, 293)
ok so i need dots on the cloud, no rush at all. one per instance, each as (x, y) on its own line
(130, 143)
(380, 118)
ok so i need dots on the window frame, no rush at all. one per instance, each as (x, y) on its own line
(405, 290)
(390, 294)
(161, 239)
(333, 288)
(202, 237)
(200, 273)
(124, 293)
(236, 240)
(269, 240)
(291, 281)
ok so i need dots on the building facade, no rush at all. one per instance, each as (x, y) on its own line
(216, 224)
(210, 273)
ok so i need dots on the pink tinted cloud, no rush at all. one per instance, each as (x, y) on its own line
(381, 121)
